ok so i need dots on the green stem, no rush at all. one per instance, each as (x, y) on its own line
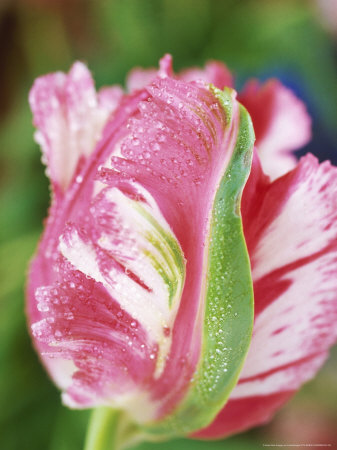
(110, 429)
(102, 432)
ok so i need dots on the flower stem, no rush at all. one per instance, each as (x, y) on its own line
(110, 429)
(102, 430)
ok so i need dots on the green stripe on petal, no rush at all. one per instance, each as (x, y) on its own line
(163, 253)
(168, 260)
(229, 310)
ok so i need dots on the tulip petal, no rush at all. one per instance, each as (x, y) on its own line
(84, 325)
(305, 225)
(127, 251)
(90, 354)
(138, 78)
(69, 119)
(293, 247)
(241, 414)
(134, 255)
(173, 159)
(198, 195)
(109, 98)
(215, 72)
(281, 123)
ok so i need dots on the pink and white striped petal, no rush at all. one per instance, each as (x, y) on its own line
(69, 119)
(87, 337)
(294, 276)
(134, 222)
(291, 235)
(134, 255)
(281, 123)
(177, 149)
(136, 272)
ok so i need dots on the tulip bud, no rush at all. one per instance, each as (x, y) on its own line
(140, 294)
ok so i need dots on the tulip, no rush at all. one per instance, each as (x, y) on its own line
(164, 223)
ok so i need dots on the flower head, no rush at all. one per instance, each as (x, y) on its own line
(141, 292)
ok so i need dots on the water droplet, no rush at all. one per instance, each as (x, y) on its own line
(155, 146)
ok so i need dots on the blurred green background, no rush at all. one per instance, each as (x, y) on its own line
(291, 40)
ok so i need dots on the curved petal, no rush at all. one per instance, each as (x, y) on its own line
(48, 270)
(184, 139)
(293, 248)
(281, 124)
(86, 330)
(69, 119)
(129, 248)
(168, 161)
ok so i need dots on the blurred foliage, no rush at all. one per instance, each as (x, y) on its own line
(260, 38)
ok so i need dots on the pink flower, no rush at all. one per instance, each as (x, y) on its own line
(140, 294)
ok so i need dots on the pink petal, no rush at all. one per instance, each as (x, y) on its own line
(69, 120)
(281, 124)
(109, 98)
(215, 72)
(84, 325)
(291, 232)
(242, 414)
(49, 271)
(138, 78)
(177, 150)
(161, 156)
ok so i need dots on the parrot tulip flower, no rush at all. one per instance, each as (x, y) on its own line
(165, 222)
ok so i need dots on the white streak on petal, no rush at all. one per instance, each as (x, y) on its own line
(286, 380)
(81, 255)
(137, 240)
(292, 235)
(304, 312)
